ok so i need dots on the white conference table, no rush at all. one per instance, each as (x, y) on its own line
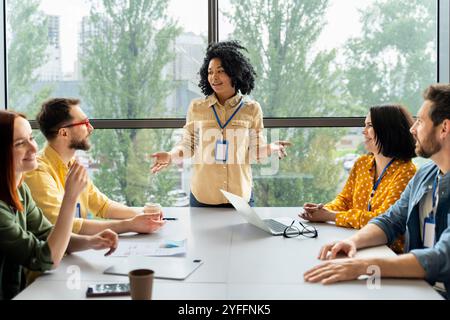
(240, 262)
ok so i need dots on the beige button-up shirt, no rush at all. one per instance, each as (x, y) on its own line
(244, 136)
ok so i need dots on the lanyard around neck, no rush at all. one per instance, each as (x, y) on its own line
(435, 194)
(375, 185)
(232, 116)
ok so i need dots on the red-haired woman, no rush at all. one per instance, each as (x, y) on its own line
(27, 239)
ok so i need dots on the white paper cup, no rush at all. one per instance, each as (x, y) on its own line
(152, 208)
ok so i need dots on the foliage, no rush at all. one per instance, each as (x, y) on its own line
(292, 81)
(123, 63)
(26, 46)
(394, 59)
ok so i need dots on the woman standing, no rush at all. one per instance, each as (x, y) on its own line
(223, 131)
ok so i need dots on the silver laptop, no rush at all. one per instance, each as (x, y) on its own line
(271, 226)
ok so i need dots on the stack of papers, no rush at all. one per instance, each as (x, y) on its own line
(162, 248)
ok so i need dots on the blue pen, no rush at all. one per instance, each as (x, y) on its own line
(78, 211)
(172, 219)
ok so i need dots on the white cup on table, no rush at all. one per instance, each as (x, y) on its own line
(152, 208)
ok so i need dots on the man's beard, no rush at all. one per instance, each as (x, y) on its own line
(80, 144)
(432, 147)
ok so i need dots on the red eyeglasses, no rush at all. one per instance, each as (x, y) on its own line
(84, 122)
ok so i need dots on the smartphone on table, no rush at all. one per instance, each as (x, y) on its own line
(108, 290)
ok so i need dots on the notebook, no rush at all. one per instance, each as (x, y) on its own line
(164, 267)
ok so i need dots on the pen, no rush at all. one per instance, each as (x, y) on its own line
(172, 219)
(78, 212)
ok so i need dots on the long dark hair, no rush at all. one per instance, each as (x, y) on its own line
(8, 188)
(391, 124)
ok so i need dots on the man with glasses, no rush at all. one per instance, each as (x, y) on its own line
(422, 213)
(67, 129)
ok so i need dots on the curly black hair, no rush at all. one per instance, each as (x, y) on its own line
(236, 66)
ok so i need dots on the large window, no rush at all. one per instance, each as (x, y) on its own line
(323, 58)
(134, 64)
(124, 59)
(314, 171)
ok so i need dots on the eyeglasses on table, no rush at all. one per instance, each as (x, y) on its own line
(304, 230)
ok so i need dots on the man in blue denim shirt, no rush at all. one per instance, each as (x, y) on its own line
(422, 213)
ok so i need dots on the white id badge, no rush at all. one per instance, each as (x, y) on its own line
(221, 150)
(428, 232)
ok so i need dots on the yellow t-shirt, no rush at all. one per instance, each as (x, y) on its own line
(47, 185)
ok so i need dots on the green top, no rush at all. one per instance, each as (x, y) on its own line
(23, 243)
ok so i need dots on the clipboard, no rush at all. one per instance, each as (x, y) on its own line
(164, 267)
